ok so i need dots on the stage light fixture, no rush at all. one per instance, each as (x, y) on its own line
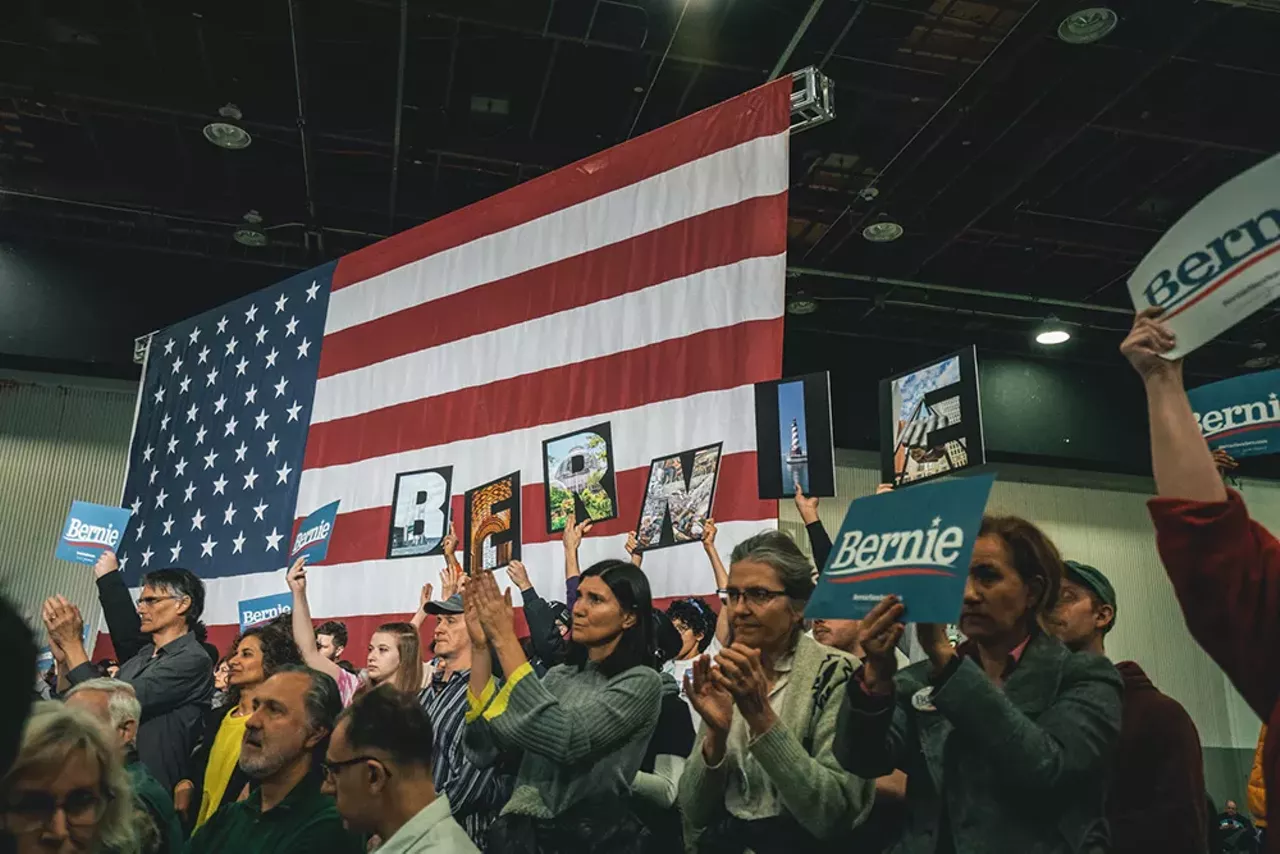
(1052, 333)
(1087, 25)
(250, 234)
(884, 231)
(227, 134)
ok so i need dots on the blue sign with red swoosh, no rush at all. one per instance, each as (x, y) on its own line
(1240, 415)
(90, 530)
(914, 543)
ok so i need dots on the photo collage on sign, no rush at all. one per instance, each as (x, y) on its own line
(578, 472)
(678, 497)
(492, 516)
(793, 437)
(420, 512)
(930, 420)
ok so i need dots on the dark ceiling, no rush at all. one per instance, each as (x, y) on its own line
(1022, 168)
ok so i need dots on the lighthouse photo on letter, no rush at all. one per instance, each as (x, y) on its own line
(793, 437)
(792, 428)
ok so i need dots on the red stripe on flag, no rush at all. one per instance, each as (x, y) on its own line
(750, 229)
(763, 111)
(363, 534)
(618, 381)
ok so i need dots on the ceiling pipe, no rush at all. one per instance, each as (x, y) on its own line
(399, 115)
(302, 121)
(795, 38)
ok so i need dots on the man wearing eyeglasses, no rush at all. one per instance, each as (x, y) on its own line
(163, 660)
(286, 812)
(378, 768)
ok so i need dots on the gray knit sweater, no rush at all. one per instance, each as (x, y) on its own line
(582, 735)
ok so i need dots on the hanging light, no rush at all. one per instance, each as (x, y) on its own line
(1052, 333)
(227, 134)
(801, 304)
(1087, 25)
(250, 234)
(883, 231)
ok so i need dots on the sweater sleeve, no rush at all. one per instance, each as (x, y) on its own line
(543, 634)
(823, 796)
(871, 730)
(700, 794)
(819, 542)
(1225, 570)
(1069, 741)
(122, 618)
(526, 714)
(1174, 820)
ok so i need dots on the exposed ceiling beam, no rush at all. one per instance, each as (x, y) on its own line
(803, 28)
(399, 113)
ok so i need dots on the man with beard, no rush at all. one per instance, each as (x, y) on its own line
(293, 714)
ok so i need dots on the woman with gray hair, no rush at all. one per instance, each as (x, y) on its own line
(762, 777)
(67, 792)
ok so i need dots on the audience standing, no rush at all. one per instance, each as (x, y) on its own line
(583, 728)
(285, 813)
(163, 658)
(1006, 740)
(331, 640)
(395, 649)
(1225, 567)
(379, 770)
(115, 704)
(67, 791)
(1155, 799)
(762, 776)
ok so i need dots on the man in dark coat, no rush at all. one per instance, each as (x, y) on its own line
(1156, 796)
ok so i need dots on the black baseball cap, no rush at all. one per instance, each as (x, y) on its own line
(1097, 583)
(452, 605)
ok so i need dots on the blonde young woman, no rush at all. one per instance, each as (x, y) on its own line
(395, 649)
(68, 792)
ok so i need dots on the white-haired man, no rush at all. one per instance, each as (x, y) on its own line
(115, 703)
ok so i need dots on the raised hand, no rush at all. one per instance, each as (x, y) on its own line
(709, 534)
(933, 639)
(449, 580)
(105, 564)
(574, 531)
(708, 696)
(633, 549)
(519, 575)
(879, 632)
(1224, 461)
(449, 545)
(1146, 343)
(883, 488)
(808, 507)
(475, 631)
(297, 575)
(493, 608)
(744, 677)
(424, 595)
(63, 622)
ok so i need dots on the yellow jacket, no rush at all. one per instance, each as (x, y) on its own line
(1257, 794)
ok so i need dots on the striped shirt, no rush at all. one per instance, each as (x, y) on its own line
(476, 795)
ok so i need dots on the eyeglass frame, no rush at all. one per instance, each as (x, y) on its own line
(751, 595)
(329, 769)
(102, 803)
(149, 601)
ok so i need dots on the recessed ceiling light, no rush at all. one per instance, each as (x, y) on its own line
(1053, 336)
(883, 231)
(1260, 362)
(227, 134)
(801, 305)
(1087, 25)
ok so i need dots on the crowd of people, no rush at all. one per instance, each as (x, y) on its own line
(617, 727)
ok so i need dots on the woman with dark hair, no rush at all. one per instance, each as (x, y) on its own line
(1005, 739)
(214, 772)
(762, 776)
(583, 728)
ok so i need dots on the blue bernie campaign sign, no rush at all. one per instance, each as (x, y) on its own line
(1240, 415)
(90, 530)
(314, 534)
(264, 608)
(914, 543)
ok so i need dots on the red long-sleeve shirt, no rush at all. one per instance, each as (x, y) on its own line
(1225, 570)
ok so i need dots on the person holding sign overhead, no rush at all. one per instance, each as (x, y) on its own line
(1006, 739)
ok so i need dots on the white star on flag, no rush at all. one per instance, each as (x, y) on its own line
(231, 346)
(304, 348)
(188, 492)
(251, 478)
(168, 525)
(261, 334)
(280, 303)
(251, 396)
(137, 503)
(271, 445)
(181, 467)
(159, 395)
(283, 473)
(280, 386)
(251, 314)
(142, 526)
(177, 366)
(260, 420)
(213, 377)
(195, 335)
(206, 548)
(202, 357)
(241, 365)
(219, 485)
(175, 551)
(271, 357)
(161, 497)
(238, 543)
(146, 453)
(200, 434)
(311, 291)
(191, 413)
(164, 423)
(209, 459)
(124, 562)
(240, 452)
(293, 411)
(273, 540)
(219, 404)
(168, 347)
(231, 427)
(291, 327)
(197, 521)
(229, 514)
(151, 481)
(222, 324)
(146, 556)
(185, 385)
(173, 444)
(259, 510)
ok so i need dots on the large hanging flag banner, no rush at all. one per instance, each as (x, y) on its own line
(641, 287)
(913, 543)
(1218, 264)
(931, 420)
(1240, 415)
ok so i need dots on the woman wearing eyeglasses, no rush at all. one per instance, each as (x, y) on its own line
(762, 776)
(68, 792)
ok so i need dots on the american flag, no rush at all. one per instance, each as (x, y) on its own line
(643, 286)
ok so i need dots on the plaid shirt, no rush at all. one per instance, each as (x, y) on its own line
(476, 795)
